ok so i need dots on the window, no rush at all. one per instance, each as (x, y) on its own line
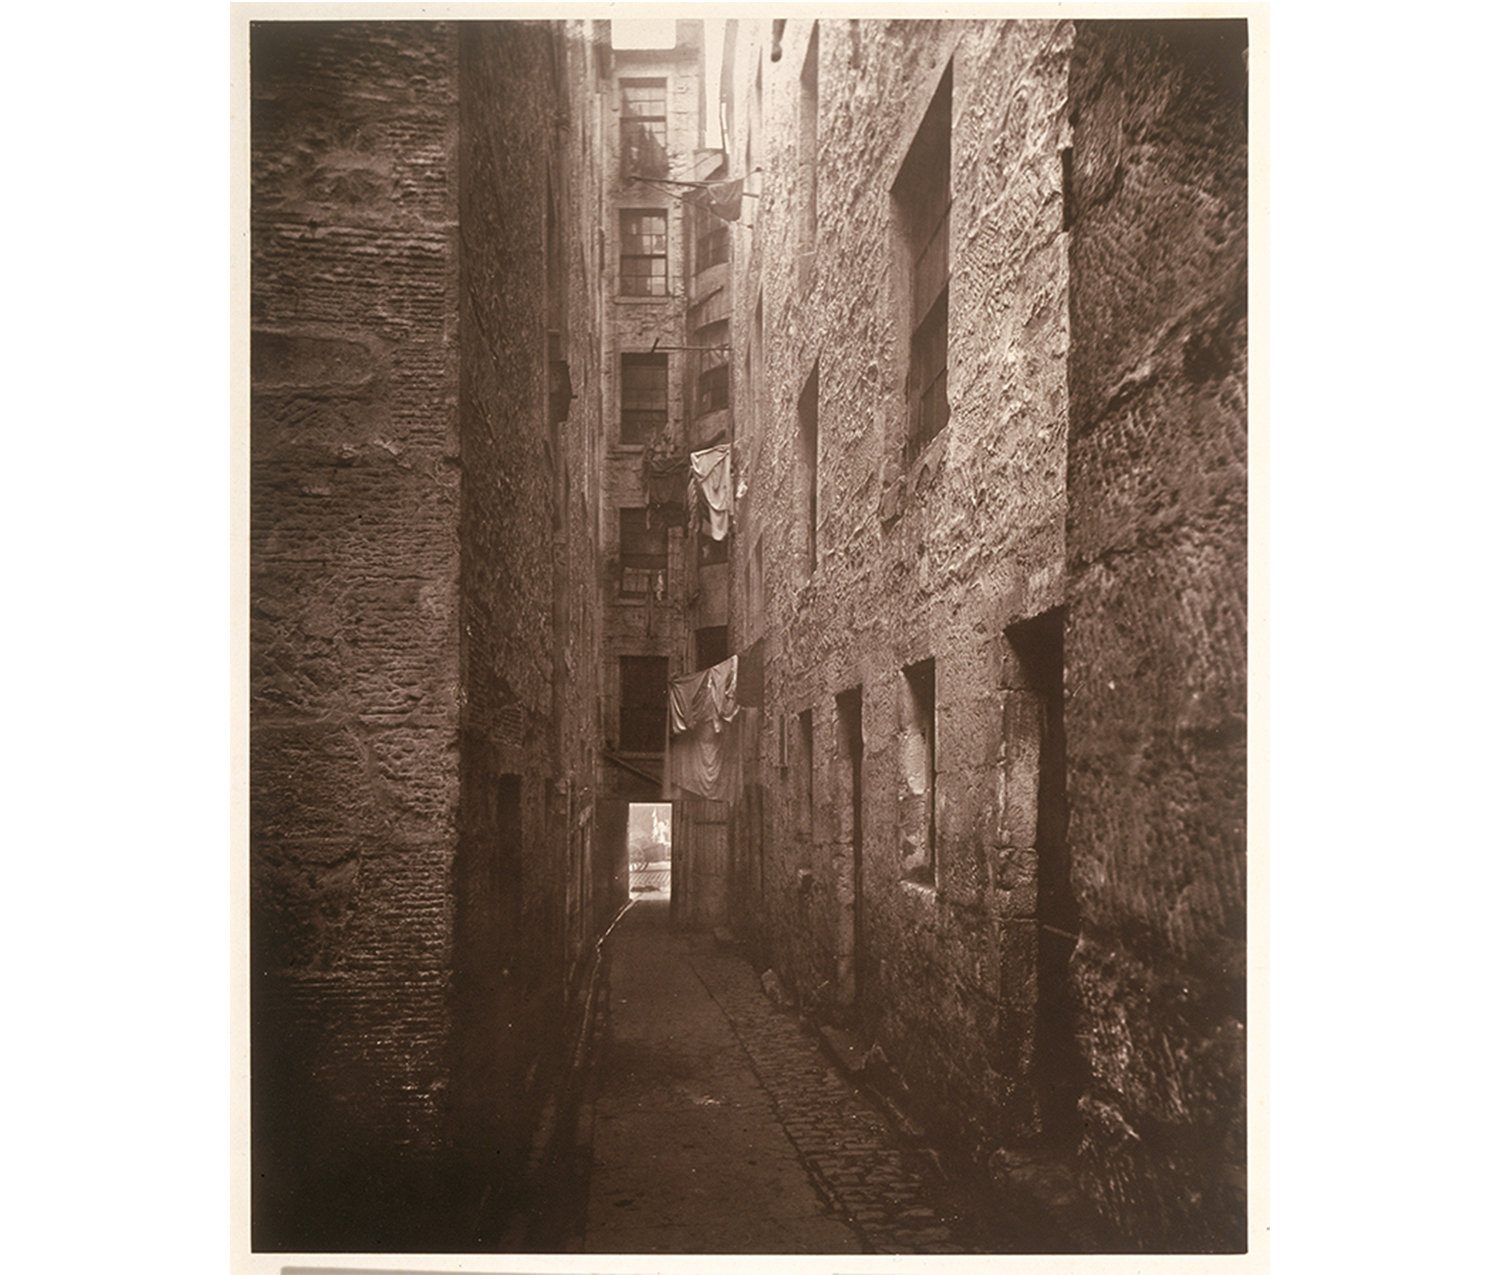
(643, 252)
(713, 367)
(755, 601)
(643, 556)
(805, 775)
(916, 804)
(922, 197)
(713, 247)
(643, 128)
(713, 389)
(807, 456)
(807, 161)
(711, 645)
(643, 703)
(643, 397)
(712, 552)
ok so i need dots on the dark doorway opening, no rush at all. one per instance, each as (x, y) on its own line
(1058, 1068)
(851, 746)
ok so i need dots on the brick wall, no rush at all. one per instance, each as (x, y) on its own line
(425, 623)
(355, 601)
(510, 959)
(1156, 622)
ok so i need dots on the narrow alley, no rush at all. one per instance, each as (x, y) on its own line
(748, 612)
(716, 1122)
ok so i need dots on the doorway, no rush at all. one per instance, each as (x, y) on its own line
(1057, 1064)
(851, 751)
(649, 840)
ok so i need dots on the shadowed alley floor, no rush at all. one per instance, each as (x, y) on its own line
(719, 1126)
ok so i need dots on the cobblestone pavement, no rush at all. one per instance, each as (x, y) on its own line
(720, 1125)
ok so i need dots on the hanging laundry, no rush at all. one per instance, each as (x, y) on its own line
(723, 199)
(711, 481)
(709, 696)
(704, 751)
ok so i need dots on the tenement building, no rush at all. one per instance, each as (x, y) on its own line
(991, 531)
(427, 880)
(835, 428)
(665, 382)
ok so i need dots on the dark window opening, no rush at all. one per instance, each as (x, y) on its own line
(807, 455)
(713, 389)
(922, 196)
(851, 745)
(643, 253)
(713, 247)
(1057, 1068)
(712, 552)
(755, 590)
(643, 128)
(807, 160)
(643, 397)
(711, 350)
(929, 377)
(1067, 189)
(643, 703)
(805, 775)
(711, 645)
(643, 556)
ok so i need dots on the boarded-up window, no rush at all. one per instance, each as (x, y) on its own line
(643, 703)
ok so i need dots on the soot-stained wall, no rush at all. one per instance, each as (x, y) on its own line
(1156, 661)
(922, 561)
(354, 606)
(1036, 619)
(424, 631)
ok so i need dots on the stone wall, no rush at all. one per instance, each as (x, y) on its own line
(1048, 596)
(355, 602)
(510, 899)
(1157, 621)
(922, 560)
(424, 617)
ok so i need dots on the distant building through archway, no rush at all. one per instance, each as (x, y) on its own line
(649, 838)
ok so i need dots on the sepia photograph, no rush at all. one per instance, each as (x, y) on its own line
(749, 621)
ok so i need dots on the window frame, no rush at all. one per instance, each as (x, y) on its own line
(639, 422)
(638, 568)
(638, 239)
(635, 123)
(922, 199)
(635, 712)
(917, 752)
